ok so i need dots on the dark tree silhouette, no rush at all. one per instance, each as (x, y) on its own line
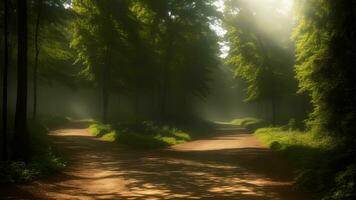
(5, 74)
(21, 138)
(37, 52)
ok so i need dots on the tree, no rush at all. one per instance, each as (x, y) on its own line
(5, 80)
(149, 43)
(185, 49)
(325, 36)
(49, 45)
(257, 57)
(101, 40)
(21, 138)
(37, 52)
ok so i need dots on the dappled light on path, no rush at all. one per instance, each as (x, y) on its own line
(232, 165)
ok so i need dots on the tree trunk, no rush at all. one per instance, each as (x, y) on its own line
(5, 77)
(274, 113)
(105, 104)
(273, 100)
(136, 102)
(21, 138)
(165, 69)
(272, 79)
(37, 52)
(105, 84)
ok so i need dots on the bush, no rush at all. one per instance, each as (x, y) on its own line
(301, 148)
(319, 161)
(44, 160)
(144, 135)
(99, 130)
(16, 172)
(345, 185)
(39, 166)
(249, 123)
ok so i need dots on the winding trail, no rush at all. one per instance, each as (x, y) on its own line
(231, 165)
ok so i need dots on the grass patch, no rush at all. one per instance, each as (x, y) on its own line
(99, 130)
(249, 123)
(300, 148)
(110, 136)
(324, 167)
(141, 135)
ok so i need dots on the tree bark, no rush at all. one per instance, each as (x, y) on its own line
(105, 84)
(21, 139)
(5, 78)
(272, 79)
(165, 70)
(105, 97)
(37, 52)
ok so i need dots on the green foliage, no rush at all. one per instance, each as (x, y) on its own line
(249, 123)
(141, 135)
(44, 161)
(140, 47)
(40, 166)
(345, 185)
(255, 55)
(11, 172)
(325, 51)
(110, 136)
(99, 130)
(323, 32)
(299, 147)
(318, 160)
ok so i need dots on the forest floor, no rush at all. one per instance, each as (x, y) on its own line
(233, 164)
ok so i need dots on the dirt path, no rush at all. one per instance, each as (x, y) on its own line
(232, 165)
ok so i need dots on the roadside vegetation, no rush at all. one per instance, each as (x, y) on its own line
(142, 135)
(160, 60)
(249, 123)
(45, 161)
(318, 160)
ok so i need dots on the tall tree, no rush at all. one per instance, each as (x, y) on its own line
(37, 53)
(101, 38)
(5, 81)
(179, 30)
(326, 55)
(21, 138)
(257, 57)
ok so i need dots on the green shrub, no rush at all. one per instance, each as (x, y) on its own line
(110, 136)
(345, 185)
(300, 148)
(16, 172)
(140, 141)
(318, 160)
(44, 160)
(143, 135)
(249, 123)
(39, 166)
(99, 130)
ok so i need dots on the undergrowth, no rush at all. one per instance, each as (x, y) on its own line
(323, 166)
(142, 135)
(44, 161)
(249, 123)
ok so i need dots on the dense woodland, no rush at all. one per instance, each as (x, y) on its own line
(174, 66)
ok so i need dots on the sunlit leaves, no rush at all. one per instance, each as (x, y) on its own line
(260, 52)
(325, 40)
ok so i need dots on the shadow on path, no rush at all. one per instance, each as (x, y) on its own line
(232, 165)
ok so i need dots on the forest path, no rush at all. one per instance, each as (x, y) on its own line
(230, 165)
